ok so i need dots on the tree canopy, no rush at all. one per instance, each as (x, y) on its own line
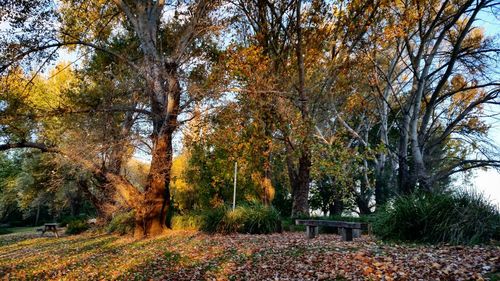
(335, 106)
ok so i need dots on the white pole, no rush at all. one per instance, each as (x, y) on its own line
(234, 191)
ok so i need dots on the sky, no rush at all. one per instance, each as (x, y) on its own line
(486, 182)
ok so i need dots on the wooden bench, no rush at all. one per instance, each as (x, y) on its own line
(346, 228)
(49, 227)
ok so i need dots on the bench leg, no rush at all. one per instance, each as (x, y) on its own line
(346, 234)
(356, 233)
(311, 231)
(57, 234)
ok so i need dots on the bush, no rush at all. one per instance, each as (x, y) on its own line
(122, 223)
(213, 218)
(76, 227)
(456, 218)
(67, 219)
(190, 221)
(253, 218)
(258, 218)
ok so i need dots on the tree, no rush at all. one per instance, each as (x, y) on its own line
(159, 66)
(447, 58)
(400, 86)
(306, 48)
(436, 49)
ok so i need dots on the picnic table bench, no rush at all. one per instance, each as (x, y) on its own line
(49, 227)
(346, 228)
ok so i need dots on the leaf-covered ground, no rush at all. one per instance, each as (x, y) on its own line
(181, 255)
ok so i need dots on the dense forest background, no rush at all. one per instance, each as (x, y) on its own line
(336, 107)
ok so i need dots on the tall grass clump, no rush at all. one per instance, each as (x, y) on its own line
(260, 219)
(189, 221)
(253, 218)
(213, 218)
(457, 218)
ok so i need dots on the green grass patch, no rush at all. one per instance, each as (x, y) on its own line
(4, 231)
(24, 229)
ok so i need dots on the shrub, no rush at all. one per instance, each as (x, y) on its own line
(233, 221)
(213, 218)
(252, 218)
(190, 221)
(456, 218)
(76, 227)
(67, 219)
(122, 223)
(260, 219)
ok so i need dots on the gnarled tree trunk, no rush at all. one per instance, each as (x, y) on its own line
(152, 213)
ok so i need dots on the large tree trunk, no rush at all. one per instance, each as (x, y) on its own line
(380, 169)
(336, 208)
(164, 94)
(299, 176)
(300, 183)
(381, 180)
(152, 213)
(404, 183)
(151, 216)
(365, 194)
(266, 183)
(300, 203)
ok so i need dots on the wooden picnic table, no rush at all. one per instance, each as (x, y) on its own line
(50, 227)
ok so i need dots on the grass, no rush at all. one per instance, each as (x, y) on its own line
(25, 229)
(191, 255)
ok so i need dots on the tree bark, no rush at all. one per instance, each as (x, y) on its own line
(300, 203)
(300, 183)
(336, 208)
(403, 168)
(164, 94)
(151, 216)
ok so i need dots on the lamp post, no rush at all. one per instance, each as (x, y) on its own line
(234, 190)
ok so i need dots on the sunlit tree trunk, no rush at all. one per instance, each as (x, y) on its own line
(164, 92)
(150, 218)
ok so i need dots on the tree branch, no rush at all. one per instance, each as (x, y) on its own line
(42, 147)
